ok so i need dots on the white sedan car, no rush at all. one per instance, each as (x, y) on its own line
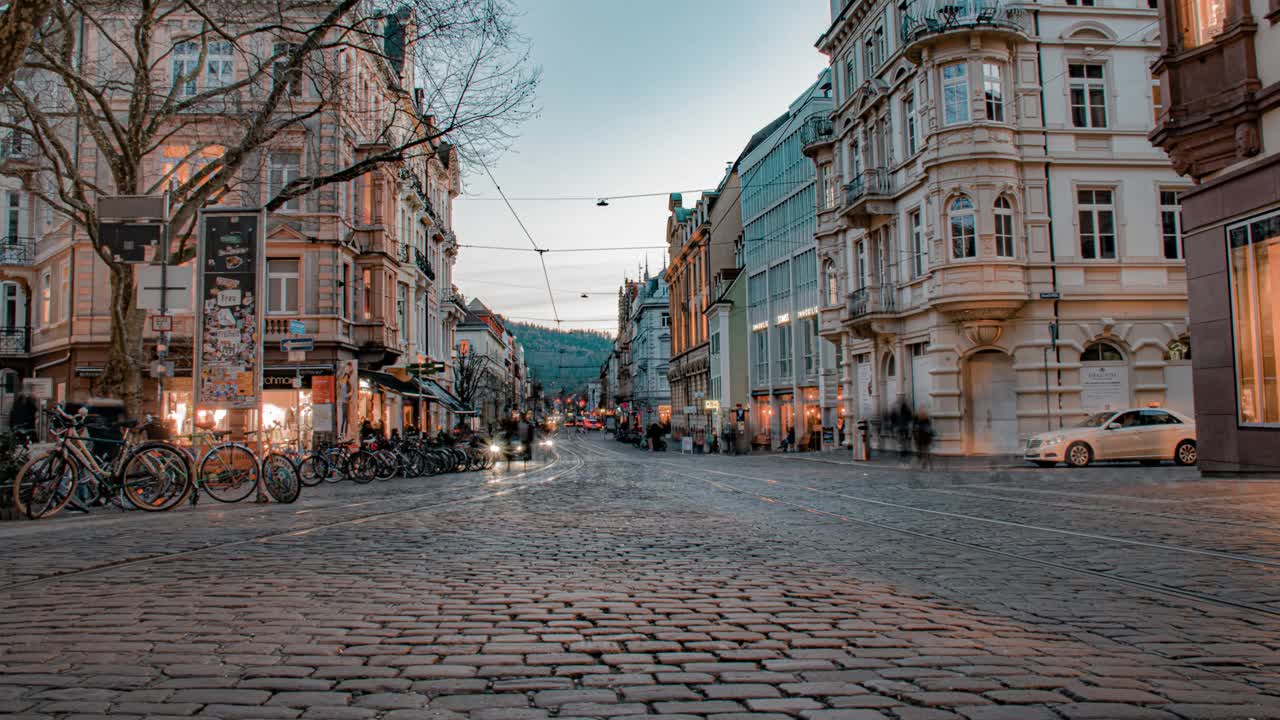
(1149, 435)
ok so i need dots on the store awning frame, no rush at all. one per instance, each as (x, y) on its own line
(387, 381)
(433, 389)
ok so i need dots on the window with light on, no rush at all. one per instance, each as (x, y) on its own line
(1255, 286)
(1200, 20)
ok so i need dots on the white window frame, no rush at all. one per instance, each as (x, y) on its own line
(1171, 219)
(993, 91)
(963, 208)
(46, 296)
(1002, 214)
(219, 65)
(64, 290)
(1090, 214)
(184, 59)
(955, 93)
(910, 140)
(1087, 87)
(919, 250)
(277, 298)
(280, 174)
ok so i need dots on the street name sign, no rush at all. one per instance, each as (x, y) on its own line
(298, 344)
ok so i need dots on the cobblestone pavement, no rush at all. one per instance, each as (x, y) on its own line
(609, 582)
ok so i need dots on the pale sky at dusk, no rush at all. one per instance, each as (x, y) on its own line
(636, 97)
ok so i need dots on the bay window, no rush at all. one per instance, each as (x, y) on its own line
(1200, 21)
(993, 92)
(955, 93)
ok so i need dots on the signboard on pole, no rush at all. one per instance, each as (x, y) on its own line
(297, 344)
(228, 354)
(167, 287)
(162, 323)
(297, 327)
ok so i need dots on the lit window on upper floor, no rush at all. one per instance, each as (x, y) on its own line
(1200, 21)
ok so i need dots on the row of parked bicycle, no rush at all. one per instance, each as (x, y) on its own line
(82, 471)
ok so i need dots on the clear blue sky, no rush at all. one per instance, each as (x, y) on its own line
(637, 97)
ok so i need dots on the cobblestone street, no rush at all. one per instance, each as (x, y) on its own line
(605, 581)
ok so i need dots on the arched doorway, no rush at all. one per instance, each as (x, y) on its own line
(991, 404)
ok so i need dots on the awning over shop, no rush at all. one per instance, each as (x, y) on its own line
(387, 381)
(434, 389)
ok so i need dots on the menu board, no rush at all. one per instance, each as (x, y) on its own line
(228, 358)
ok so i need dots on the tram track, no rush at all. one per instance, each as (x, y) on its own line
(1154, 587)
(576, 460)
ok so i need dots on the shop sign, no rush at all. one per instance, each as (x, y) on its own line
(1104, 387)
(228, 357)
(690, 409)
(281, 378)
(711, 405)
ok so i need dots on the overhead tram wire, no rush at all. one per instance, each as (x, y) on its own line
(542, 259)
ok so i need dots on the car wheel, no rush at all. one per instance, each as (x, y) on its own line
(1079, 455)
(1045, 463)
(1185, 453)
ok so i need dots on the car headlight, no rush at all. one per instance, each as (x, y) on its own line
(548, 443)
(1055, 440)
(494, 448)
(519, 446)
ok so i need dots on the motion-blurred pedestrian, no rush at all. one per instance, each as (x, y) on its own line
(922, 432)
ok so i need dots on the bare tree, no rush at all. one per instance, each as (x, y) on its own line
(475, 378)
(136, 97)
(18, 25)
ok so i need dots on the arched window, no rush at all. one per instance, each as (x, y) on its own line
(890, 366)
(833, 282)
(1004, 227)
(1101, 352)
(964, 240)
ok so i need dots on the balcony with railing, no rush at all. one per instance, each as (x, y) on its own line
(423, 264)
(17, 250)
(868, 195)
(816, 133)
(924, 20)
(14, 341)
(15, 147)
(869, 303)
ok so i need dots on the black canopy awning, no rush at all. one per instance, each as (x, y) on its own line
(446, 398)
(387, 381)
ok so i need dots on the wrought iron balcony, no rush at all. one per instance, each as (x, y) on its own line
(402, 252)
(14, 146)
(815, 132)
(17, 250)
(922, 19)
(420, 259)
(867, 301)
(14, 341)
(868, 194)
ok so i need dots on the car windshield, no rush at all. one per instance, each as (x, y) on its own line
(1096, 420)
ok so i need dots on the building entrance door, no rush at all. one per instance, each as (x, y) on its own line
(992, 423)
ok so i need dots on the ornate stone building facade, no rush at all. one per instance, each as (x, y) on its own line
(998, 246)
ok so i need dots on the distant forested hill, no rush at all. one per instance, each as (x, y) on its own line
(562, 359)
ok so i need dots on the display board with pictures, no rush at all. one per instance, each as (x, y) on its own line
(229, 357)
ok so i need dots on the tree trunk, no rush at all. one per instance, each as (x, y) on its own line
(122, 377)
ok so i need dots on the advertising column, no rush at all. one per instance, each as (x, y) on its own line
(228, 355)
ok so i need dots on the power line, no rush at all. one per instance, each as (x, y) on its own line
(598, 198)
(541, 253)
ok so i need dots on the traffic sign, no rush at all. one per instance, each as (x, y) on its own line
(298, 344)
(162, 323)
(297, 327)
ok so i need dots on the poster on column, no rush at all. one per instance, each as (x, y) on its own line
(1104, 387)
(866, 402)
(347, 387)
(228, 357)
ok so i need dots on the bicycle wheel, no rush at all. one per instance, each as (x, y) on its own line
(229, 473)
(155, 476)
(362, 467)
(387, 465)
(313, 470)
(338, 464)
(281, 478)
(47, 484)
